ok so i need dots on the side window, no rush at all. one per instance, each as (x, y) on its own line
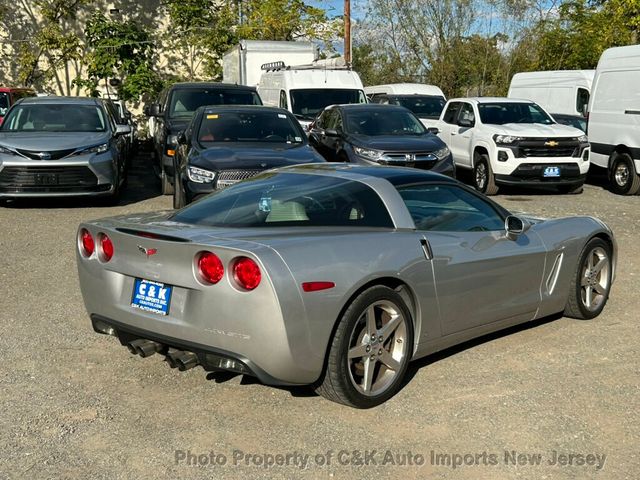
(283, 100)
(466, 114)
(376, 97)
(330, 119)
(582, 100)
(449, 208)
(451, 114)
(338, 121)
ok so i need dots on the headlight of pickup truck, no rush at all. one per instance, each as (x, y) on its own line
(200, 175)
(583, 139)
(368, 153)
(506, 139)
(442, 153)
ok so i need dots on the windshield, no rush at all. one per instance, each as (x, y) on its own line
(501, 113)
(4, 103)
(308, 102)
(383, 121)
(424, 106)
(266, 126)
(184, 102)
(285, 199)
(51, 117)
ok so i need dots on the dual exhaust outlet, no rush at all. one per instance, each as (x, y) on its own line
(179, 359)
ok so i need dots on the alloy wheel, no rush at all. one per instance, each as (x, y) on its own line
(594, 283)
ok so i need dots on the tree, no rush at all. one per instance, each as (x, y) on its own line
(45, 44)
(121, 50)
(202, 31)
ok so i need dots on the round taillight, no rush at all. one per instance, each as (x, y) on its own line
(87, 245)
(247, 273)
(210, 267)
(106, 246)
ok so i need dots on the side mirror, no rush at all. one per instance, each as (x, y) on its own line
(434, 130)
(155, 110)
(585, 110)
(182, 138)
(330, 132)
(123, 129)
(465, 122)
(515, 226)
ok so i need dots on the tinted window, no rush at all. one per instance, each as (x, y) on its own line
(501, 113)
(283, 100)
(285, 199)
(265, 126)
(449, 208)
(49, 117)
(4, 103)
(185, 101)
(383, 121)
(424, 106)
(451, 114)
(582, 100)
(309, 102)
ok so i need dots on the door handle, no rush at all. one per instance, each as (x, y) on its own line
(454, 133)
(426, 248)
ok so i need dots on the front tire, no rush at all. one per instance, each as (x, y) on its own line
(623, 176)
(591, 284)
(483, 178)
(369, 351)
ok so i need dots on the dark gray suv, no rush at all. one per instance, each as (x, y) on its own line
(61, 146)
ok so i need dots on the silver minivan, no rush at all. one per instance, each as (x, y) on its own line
(61, 146)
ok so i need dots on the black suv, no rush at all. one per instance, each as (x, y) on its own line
(174, 110)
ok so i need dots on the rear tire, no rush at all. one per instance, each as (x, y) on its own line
(591, 284)
(483, 179)
(366, 362)
(623, 176)
(167, 187)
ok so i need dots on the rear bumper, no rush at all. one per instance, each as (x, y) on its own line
(210, 358)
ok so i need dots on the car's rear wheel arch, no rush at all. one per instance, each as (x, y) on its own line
(401, 287)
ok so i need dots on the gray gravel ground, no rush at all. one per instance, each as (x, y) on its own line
(74, 404)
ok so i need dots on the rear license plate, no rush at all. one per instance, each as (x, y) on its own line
(551, 172)
(46, 179)
(151, 296)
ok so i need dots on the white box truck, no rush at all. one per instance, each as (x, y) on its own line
(242, 63)
(425, 101)
(305, 90)
(614, 118)
(557, 91)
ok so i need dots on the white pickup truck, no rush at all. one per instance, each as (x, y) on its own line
(507, 141)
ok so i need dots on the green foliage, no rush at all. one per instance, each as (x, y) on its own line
(123, 50)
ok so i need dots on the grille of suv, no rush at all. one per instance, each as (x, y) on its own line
(46, 155)
(47, 179)
(548, 147)
(420, 160)
(229, 177)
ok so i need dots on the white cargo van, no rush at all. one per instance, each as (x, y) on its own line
(305, 90)
(557, 91)
(614, 118)
(425, 101)
(242, 64)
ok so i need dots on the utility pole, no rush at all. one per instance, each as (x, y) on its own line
(347, 31)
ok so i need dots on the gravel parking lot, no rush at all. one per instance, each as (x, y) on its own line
(556, 399)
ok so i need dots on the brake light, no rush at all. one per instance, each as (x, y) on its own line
(315, 286)
(247, 273)
(87, 245)
(106, 246)
(210, 267)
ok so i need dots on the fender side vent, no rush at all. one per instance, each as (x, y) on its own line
(553, 275)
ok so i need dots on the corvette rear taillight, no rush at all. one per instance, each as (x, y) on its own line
(87, 245)
(210, 269)
(246, 273)
(106, 247)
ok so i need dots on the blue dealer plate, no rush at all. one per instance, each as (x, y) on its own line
(551, 172)
(151, 296)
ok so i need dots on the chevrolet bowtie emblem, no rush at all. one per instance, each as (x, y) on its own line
(147, 251)
(551, 143)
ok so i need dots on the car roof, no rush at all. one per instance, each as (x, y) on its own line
(367, 106)
(184, 85)
(231, 108)
(394, 175)
(60, 100)
(490, 100)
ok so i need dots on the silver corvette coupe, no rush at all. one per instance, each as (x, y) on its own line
(335, 276)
